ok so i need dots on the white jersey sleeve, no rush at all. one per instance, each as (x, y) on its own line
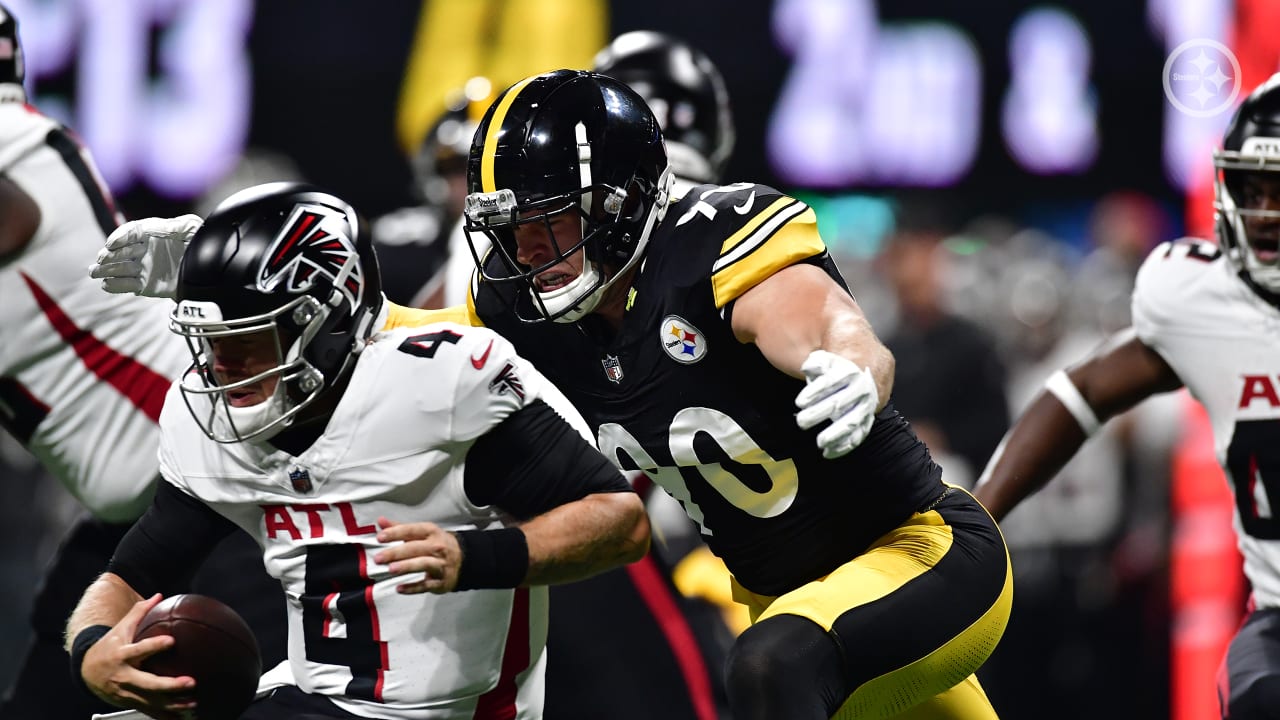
(1179, 292)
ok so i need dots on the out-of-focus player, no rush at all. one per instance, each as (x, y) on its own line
(83, 375)
(1205, 317)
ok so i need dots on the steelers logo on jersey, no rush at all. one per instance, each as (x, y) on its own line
(682, 341)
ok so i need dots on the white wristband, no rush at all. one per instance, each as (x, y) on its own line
(1060, 385)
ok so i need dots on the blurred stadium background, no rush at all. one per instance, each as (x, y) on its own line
(1003, 166)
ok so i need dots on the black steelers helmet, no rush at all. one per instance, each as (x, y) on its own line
(1249, 235)
(687, 94)
(566, 142)
(284, 258)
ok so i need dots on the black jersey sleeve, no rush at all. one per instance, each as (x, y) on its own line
(534, 461)
(162, 550)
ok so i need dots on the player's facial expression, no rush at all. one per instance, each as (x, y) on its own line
(539, 243)
(241, 357)
(1261, 192)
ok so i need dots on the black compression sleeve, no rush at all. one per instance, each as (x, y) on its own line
(169, 541)
(534, 461)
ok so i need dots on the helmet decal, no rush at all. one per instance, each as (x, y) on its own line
(313, 243)
(491, 136)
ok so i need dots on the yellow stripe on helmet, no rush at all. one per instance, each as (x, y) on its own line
(487, 183)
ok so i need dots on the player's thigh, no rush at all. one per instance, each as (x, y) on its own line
(1249, 683)
(919, 612)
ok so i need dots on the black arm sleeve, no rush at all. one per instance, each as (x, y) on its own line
(171, 539)
(534, 461)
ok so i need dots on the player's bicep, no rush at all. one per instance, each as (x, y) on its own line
(171, 539)
(533, 461)
(1124, 372)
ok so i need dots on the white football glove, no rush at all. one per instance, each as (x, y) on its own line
(142, 256)
(840, 391)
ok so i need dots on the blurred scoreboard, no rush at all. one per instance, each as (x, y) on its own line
(1019, 99)
(1002, 101)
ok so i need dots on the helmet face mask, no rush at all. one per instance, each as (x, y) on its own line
(1247, 190)
(215, 397)
(1248, 207)
(574, 242)
(560, 146)
(282, 280)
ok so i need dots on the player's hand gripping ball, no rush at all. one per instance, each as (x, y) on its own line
(212, 644)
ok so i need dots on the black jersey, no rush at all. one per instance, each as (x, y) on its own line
(676, 395)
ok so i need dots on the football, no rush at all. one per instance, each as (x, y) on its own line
(212, 644)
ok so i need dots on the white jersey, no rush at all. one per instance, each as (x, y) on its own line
(1223, 341)
(394, 447)
(83, 373)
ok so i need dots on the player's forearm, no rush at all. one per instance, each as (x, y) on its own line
(585, 537)
(866, 350)
(1044, 439)
(105, 602)
(799, 310)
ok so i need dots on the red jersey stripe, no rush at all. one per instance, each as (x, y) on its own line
(144, 387)
(500, 702)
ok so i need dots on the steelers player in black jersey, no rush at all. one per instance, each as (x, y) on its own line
(712, 344)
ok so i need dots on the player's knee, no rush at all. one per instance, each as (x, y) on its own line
(1259, 701)
(781, 667)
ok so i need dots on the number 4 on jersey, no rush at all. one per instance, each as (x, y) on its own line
(426, 345)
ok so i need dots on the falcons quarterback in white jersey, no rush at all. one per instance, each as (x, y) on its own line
(1206, 317)
(371, 468)
(395, 446)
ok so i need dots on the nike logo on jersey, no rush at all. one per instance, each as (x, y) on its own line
(745, 207)
(478, 362)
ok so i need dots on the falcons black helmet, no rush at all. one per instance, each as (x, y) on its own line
(284, 258)
(1247, 185)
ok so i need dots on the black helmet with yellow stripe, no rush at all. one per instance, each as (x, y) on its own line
(560, 143)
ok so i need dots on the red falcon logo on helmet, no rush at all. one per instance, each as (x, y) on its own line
(314, 242)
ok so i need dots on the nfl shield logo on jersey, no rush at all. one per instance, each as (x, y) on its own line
(682, 341)
(300, 479)
(612, 368)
